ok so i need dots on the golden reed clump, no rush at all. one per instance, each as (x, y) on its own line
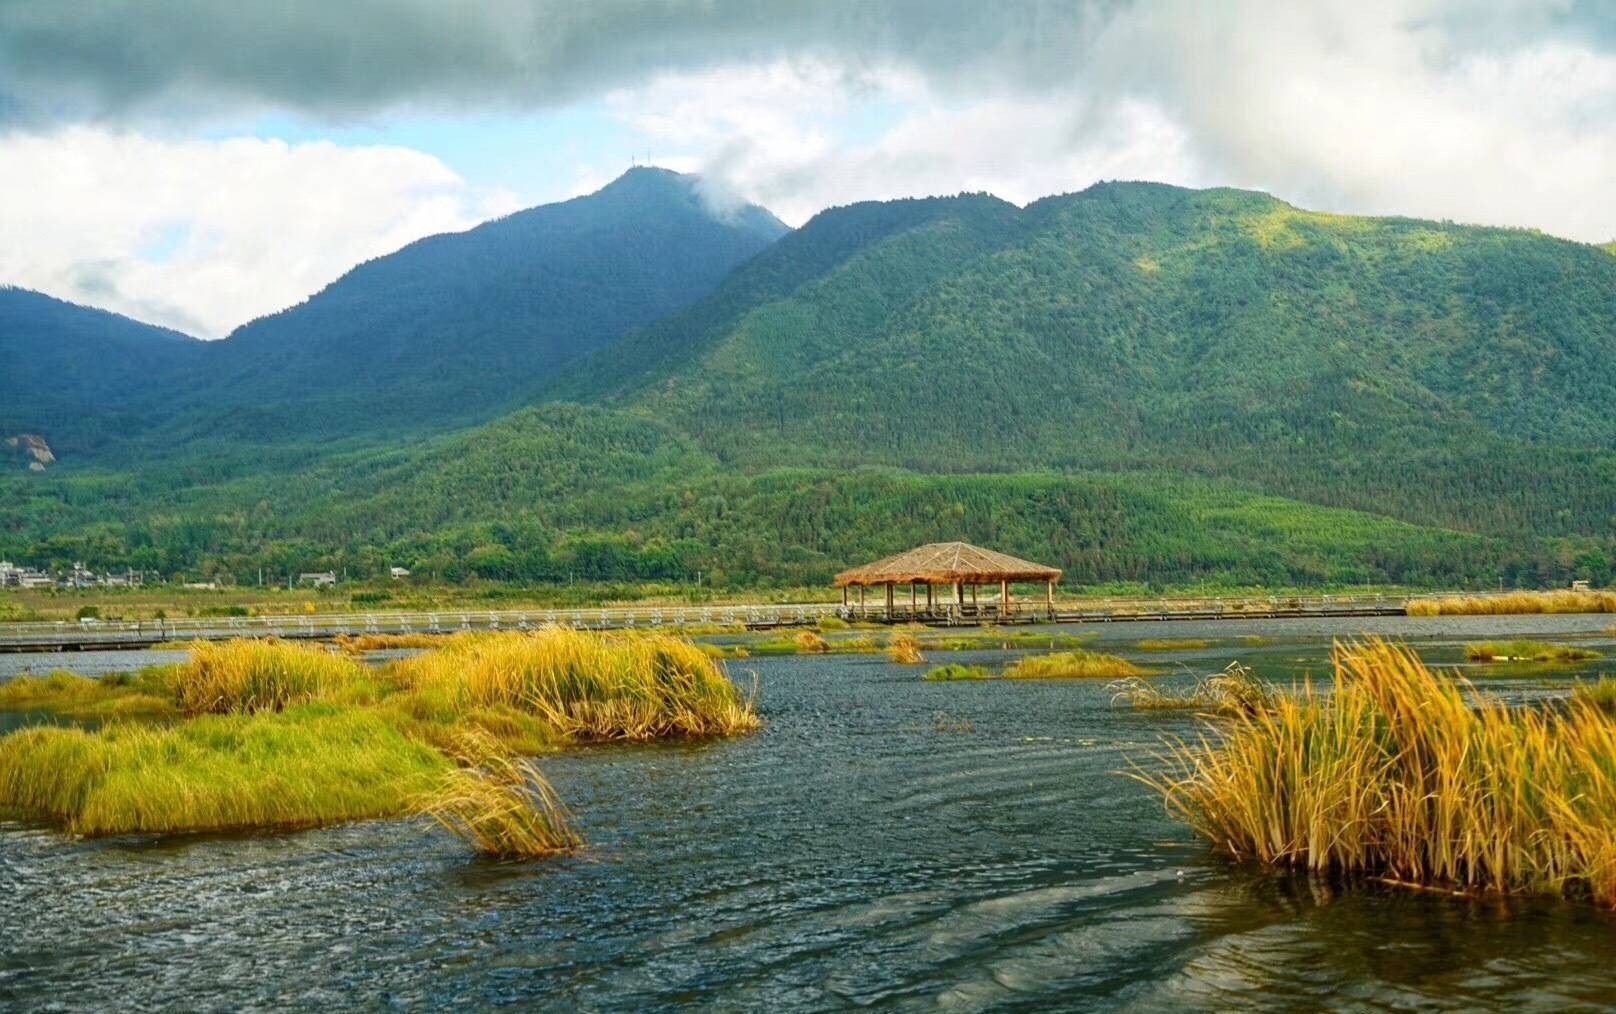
(503, 807)
(1514, 603)
(240, 676)
(587, 686)
(904, 649)
(1395, 774)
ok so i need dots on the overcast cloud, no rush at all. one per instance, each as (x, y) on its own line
(1493, 111)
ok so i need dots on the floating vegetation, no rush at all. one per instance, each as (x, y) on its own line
(944, 722)
(1560, 601)
(502, 806)
(903, 649)
(1170, 644)
(1527, 651)
(1233, 691)
(1072, 665)
(1393, 774)
(958, 671)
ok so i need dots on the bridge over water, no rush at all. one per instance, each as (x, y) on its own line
(101, 635)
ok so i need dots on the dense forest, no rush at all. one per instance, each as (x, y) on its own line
(1136, 382)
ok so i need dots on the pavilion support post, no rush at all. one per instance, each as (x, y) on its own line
(959, 594)
(844, 598)
(861, 602)
(1049, 597)
(889, 600)
(914, 603)
(973, 596)
(1004, 597)
(931, 606)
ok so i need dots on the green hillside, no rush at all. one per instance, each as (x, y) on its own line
(1423, 370)
(564, 492)
(1137, 382)
(74, 374)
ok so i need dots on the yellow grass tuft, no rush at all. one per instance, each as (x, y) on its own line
(810, 643)
(1233, 691)
(225, 677)
(1170, 644)
(1072, 665)
(1394, 774)
(904, 649)
(587, 686)
(503, 806)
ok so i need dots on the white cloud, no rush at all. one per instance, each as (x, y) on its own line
(1414, 107)
(788, 135)
(203, 235)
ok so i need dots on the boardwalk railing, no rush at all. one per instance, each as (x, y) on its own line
(89, 635)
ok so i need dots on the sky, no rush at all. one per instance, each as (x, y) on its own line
(198, 164)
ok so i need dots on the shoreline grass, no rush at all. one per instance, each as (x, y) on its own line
(1171, 644)
(1562, 600)
(1072, 665)
(1527, 651)
(1394, 774)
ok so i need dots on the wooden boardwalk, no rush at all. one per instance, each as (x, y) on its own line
(100, 636)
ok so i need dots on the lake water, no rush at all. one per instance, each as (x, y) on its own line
(881, 842)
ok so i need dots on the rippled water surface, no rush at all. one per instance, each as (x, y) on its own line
(881, 842)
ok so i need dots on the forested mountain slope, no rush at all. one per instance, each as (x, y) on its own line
(1421, 369)
(76, 375)
(455, 327)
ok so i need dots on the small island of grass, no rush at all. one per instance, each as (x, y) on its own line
(265, 734)
(1072, 665)
(1527, 651)
(958, 671)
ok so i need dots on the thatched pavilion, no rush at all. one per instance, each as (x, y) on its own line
(959, 564)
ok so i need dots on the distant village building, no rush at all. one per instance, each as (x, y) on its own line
(1579, 586)
(398, 573)
(13, 576)
(318, 579)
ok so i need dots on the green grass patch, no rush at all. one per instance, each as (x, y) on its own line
(1073, 665)
(958, 671)
(1171, 644)
(1527, 651)
(311, 765)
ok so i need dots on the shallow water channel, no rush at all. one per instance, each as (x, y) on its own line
(883, 841)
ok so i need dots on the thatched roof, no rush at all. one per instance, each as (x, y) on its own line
(945, 563)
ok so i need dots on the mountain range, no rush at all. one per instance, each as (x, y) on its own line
(1137, 382)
